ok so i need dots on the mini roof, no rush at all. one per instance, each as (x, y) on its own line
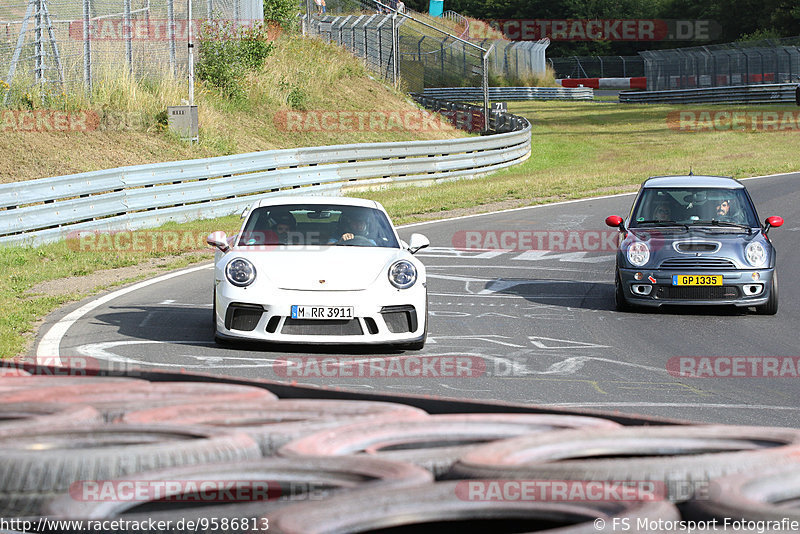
(693, 181)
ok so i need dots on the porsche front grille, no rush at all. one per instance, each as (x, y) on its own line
(311, 327)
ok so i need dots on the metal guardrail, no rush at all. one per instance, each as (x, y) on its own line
(128, 198)
(734, 94)
(475, 94)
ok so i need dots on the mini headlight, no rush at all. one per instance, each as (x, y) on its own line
(240, 272)
(756, 254)
(638, 253)
(402, 274)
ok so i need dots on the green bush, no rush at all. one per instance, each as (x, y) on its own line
(227, 52)
(284, 12)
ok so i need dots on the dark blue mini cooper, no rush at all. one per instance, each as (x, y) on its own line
(695, 240)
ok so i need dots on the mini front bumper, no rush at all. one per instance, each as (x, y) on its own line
(381, 316)
(737, 288)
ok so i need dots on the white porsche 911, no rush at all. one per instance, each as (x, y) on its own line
(320, 270)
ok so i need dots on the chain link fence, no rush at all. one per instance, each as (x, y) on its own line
(744, 63)
(430, 52)
(597, 66)
(66, 45)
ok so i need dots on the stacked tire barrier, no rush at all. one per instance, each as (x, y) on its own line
(224, 457)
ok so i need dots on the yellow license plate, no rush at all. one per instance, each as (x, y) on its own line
(696, 280)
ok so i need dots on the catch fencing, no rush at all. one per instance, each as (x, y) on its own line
(59, 46)
(753, 62)
(418, 51)
(597, 66)
(127, 198)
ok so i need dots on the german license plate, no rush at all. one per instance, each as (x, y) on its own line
(322, 312)
(696, 280)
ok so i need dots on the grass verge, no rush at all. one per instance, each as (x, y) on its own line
(579, 149)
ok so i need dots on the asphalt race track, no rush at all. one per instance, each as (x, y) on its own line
(540, 325)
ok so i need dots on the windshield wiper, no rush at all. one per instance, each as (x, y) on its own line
(727, 224)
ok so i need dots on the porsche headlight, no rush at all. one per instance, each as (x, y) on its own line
(402, 274)
(756, 254)
(240, 272)
(638, 253)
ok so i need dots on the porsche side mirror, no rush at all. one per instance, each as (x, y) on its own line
(417, 243)
(218, 240)
(615, 221)
(772, 221)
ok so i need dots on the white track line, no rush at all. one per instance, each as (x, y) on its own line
(48, 348)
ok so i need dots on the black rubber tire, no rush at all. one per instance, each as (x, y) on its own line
(61, 457)
(435, 442)
(678, 456)
(771, 306)
(275, 423)
(286, 481)
(621, 304)
(424, 508)
(27, 417)
(770, 495)
(113, 400)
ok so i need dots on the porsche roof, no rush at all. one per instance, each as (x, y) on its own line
(300, 199)
(693, 181)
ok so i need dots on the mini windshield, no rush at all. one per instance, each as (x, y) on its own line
(317, 224)
(694, 206)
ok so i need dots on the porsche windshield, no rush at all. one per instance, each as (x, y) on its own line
(694, 206)
(317, 224)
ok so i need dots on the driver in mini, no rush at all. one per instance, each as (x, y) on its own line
(727, 210)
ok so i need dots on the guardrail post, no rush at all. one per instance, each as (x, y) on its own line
(485, 59)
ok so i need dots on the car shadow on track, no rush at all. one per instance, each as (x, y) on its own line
(595, 296)
(189, 325)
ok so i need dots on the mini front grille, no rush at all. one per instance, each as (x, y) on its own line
(697, 292)
(697, 263)
(311, 327)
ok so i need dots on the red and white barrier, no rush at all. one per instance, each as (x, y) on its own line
(639, 82)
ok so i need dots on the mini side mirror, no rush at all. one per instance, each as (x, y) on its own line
(614, 221)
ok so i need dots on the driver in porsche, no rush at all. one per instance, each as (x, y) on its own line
(354, 225)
